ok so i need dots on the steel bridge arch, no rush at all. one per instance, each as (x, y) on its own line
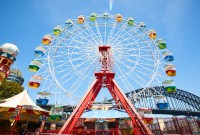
(180, 100)
(180, 103)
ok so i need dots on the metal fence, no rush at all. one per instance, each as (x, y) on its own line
(176, 126)
(181, 126)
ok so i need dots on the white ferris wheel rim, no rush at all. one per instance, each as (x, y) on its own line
(52, 46)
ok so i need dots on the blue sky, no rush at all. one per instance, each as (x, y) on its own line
(24, 22)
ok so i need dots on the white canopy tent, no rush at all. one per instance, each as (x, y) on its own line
(22, 99)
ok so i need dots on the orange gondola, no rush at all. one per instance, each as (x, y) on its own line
(81, 19)
(35, 82)
(170, 70)
(152, 34)
(46, 40)
(118, 17)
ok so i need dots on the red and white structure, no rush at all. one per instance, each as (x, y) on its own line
(105, 78)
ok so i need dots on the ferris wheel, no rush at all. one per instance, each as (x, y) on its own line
(65, 62)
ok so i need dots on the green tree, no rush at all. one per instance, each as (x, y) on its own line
(9, 89)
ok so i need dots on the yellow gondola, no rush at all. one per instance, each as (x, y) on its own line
(152, 34)
(170, 70)
(35, 81)
(118, 17)
(81, 19)
(46, 40)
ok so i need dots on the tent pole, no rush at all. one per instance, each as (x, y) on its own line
(26, 127)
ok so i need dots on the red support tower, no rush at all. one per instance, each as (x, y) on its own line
(105, 78)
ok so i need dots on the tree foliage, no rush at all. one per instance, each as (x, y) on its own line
(9, 89)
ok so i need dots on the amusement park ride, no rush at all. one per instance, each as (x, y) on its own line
(102, 51)
(105, 78)
(8, 53)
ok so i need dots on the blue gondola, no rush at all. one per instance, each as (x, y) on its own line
(39, 51)
(168, 56)
(42, 98)
(106, 16)
(42, 101)
(142, 26)
(162, 105)
(69, 23)
(161, 102)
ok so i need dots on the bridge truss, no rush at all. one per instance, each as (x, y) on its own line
(180, 100)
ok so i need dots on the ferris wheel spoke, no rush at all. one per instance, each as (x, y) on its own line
(132, 71)
(78, 73)
(80, 77)
(133, 43)
(67, 62)
(142, 73)
(93, 33)
(124, 80)
(122, 41)
(82, 40)
(86, 68)
(116, 35)
(141, 62)
(163, 76)
(79, 35)
(77, 84)
(111, 33)
(138, 38)
(67, 53)
(98, 32)
(144, 68)
(128, 76)
(79, 65)
(105, 32)
(127, 34)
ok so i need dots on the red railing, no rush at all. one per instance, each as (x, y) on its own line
(160, 127)
(175, 126)
(95, 132)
